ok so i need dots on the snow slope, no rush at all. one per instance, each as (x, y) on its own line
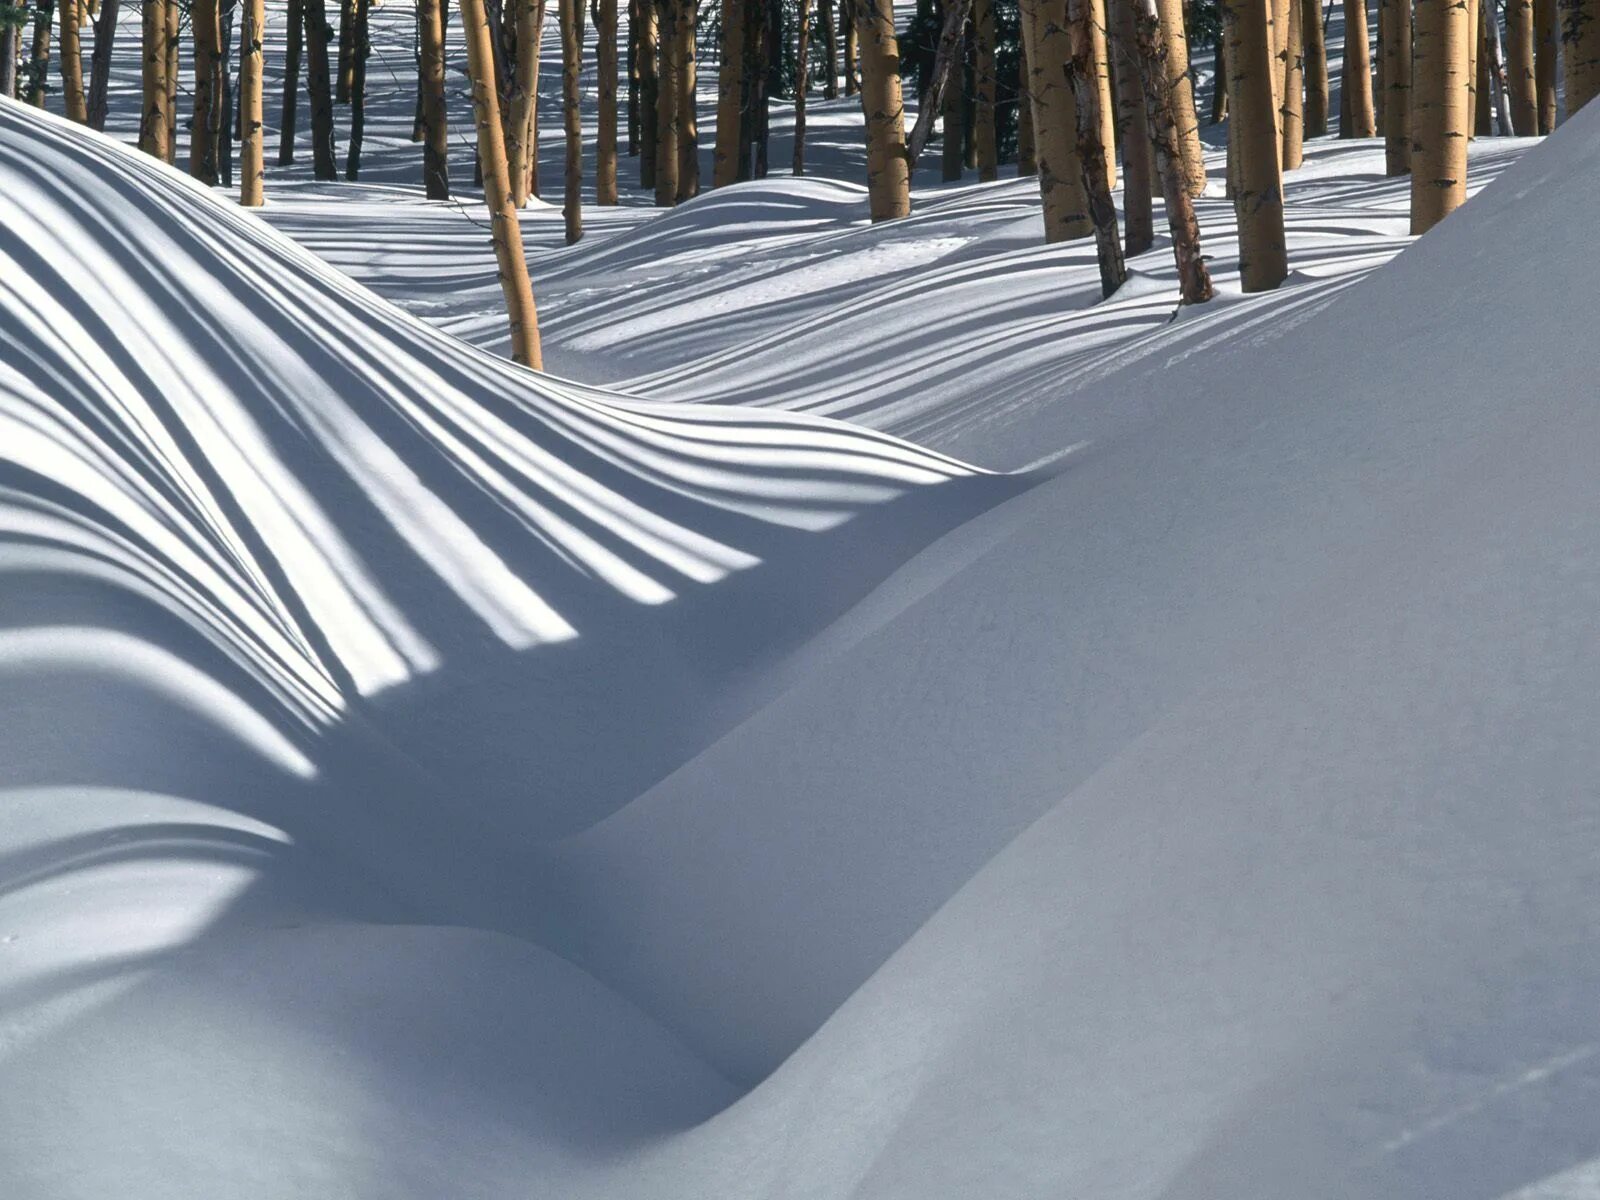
(1214, 818)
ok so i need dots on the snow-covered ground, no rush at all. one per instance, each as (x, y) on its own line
(422, 778)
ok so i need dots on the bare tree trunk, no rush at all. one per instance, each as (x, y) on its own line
(1481, 112)
(649, 89)
(344, 71)
(290, 111)
(1027, 157)
(72, 63)
(1083, 72)
(324, 163)
(10, 42)
(802, 83)
(830, 51)
(252, 159)
(153, 70)
(1395, 19)
(174, 43)
(1316, 68)
(39, 60)
(1441, 110)
(1521, 85)
(1497, 71)
(944, 59)
(105, 36)
(1580, 51)
(1055, 121)
(669, 91)
(1357, 73)
(852, 50)
(1219, 83)
(1546, 42)
(506, 232)
(1291, 114)
(984, 88)
(888, 163)
(688, 104)
(954, 111)
(207, 33)
(605, 163)
(360, 49)
(571, 64)
(1182, 89)
(1258, 187)
(730, 94)
(1138, 225)
(436, 132)
(520, 127)
(1194, 281)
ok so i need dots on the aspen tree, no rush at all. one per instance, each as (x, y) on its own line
(954, 106)
(360, 50)
(1138, 221)
(888, 164)
(10, 44)
(936, 91)
(1395, 18)
(105, 38)
(207, 31)
(345, 67)
(72, 63)
(605, 162)
(634, 21)
(251, 155)
(1258, 187)
(1219, 81)
(802, 83)
(436, 133)
(1083, 72)
(649, 91)
(1291, 112)
(669, 91)
(1055, 121)
(1316, 68)
(1105, 106)
(505, 230)
(153, 72)
(1194, 281)
(1176, 57)
(1027, 159)
(1357, 73)
(688, 125)
(830, 50)
(319, 87)
(1522, 89)
(730, 94)
(1580, 51)
(1497, 72)
(44, 16)
(294, 43)
(173, 43)
(852, 49)
(1482, 94)
(1440, 110)
(571, 64)
(1546, 40)
(983, 89)
(521, 128)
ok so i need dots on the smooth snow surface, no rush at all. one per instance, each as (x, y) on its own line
(425, 778)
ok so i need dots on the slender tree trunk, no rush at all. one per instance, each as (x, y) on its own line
(1084, 74)
(1482, 95)
(252, 164)
(224, 117)
(1522, 85)
(10, 45)
(984, 87)
(1546, 42)
(506, 232)
(688, 108)
(572, 123)
(888, 163)
(954, 110)
(830, 51)
(852, 50)
(802, 83)
(1194, 281)
(1357, 73)
(324, 163)
(520, 127)
(1219, 82)
(605, 162)
(207, 32)
(1055, 121)
(945, 60)
(153, 75)
(72, 63)
(105, 36)
(1182, 89)
(174, 44)
(766, 47)
(649, 89)
(359, 52)
(1258, 188)
(1292, 113)
(344, 72)
(1027, 156)
(39, 60)
(1316, 68)
(669, 92)
(1441, 110)
(435, 118)
(290, 111)
(730, 94)
(1395, 17)
(1138, 228)
(1105, 107)
(1580, 51)
(632, 69)
(1497, 72)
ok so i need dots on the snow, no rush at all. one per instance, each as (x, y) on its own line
(420, 777)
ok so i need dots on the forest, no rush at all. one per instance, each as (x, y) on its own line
(799, 599)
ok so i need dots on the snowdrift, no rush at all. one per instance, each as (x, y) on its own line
(1214, 818)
